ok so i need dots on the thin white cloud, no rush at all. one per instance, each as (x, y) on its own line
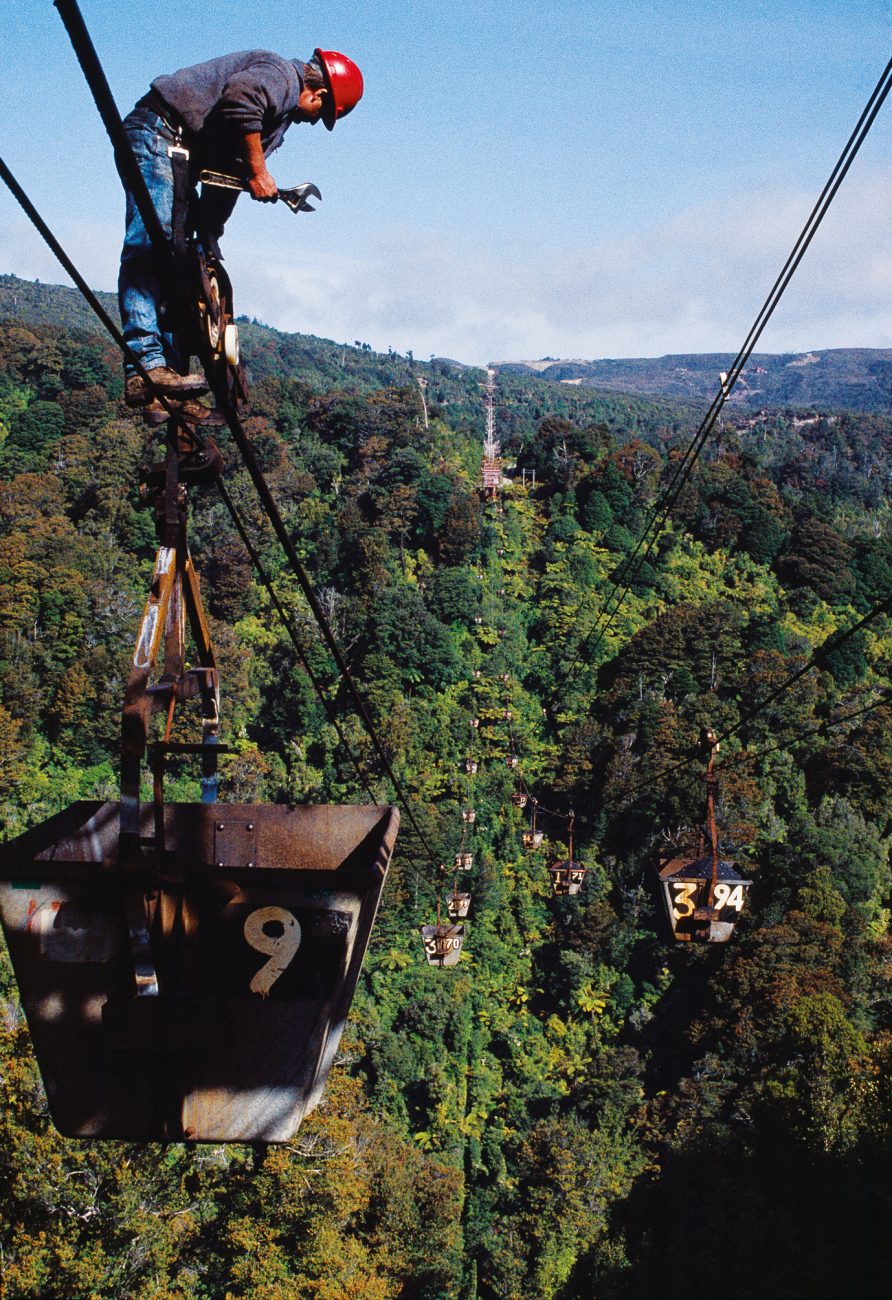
(93, 246)
(692, 283)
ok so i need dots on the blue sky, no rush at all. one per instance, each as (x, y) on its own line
(521, 179)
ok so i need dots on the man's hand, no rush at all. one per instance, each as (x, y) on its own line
(260, 184)
(263, 187)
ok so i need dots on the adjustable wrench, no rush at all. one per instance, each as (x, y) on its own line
(296, 197)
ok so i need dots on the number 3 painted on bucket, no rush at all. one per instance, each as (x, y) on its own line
(280, 946)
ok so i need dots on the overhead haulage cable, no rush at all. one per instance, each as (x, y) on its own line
(57, 249)
(791, 742)
(628, 569)
(327, 704)
(126, 162)
(818, 658)
(22, 198)
(62, 257)
(272, 513)
(823, 727)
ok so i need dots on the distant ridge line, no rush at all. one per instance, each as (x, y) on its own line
(835, 378)
(856, 379)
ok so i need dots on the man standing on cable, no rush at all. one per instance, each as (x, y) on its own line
(230, 113)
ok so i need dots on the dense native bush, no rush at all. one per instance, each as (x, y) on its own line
(579, 1108)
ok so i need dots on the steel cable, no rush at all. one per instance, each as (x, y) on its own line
(683, 469)
(680, 476)
(59, 252)
(287, 623)
(818, 658)
(95, 76)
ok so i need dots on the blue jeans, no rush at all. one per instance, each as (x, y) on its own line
(140, 284)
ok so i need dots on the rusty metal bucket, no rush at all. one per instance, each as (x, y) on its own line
(255, 918)
(442, 943)
(685, 883)
(567, 877)
(458, 905)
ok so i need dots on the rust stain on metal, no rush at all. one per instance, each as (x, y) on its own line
(256, 962)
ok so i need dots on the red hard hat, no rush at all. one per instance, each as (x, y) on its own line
(343, 81)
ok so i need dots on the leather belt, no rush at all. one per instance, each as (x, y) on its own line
(153, 101)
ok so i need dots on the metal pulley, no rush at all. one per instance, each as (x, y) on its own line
(210, 305)
(216, 338)
(215, 304)
(231, 344)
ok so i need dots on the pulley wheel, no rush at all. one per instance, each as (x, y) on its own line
(230, 344)
(213, 312)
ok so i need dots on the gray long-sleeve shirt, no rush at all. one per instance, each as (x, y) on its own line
(237, 94)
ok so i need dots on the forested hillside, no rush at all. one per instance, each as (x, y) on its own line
(581, 1107)
(857, 379)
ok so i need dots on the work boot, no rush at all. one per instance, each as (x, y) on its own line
(189, 412)
(138, 393)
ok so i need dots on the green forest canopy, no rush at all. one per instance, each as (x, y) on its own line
(581, 1107)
